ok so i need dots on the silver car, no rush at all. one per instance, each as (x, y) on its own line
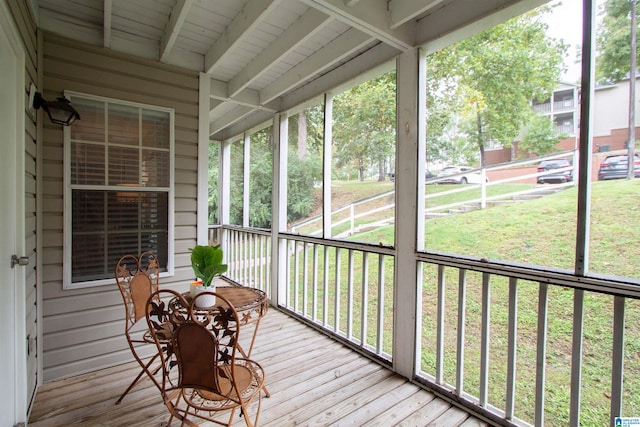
(615, 167)
(460, 175)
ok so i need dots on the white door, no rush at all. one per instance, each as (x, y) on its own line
(12, 374)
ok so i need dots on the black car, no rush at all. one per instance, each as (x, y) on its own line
(615, 167)
(563, 175)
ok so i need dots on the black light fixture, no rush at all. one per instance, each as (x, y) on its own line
(60, 111)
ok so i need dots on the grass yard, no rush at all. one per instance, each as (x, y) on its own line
(540, 232)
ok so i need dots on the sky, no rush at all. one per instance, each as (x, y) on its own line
(566, 23)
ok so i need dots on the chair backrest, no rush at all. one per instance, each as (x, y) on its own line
(137, 279)
(205, 347)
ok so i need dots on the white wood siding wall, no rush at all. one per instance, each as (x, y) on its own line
(26, 26)
(83, 329)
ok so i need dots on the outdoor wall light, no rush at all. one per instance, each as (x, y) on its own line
(60, 111)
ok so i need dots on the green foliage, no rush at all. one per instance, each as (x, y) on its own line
(614, 41)
(364, 125)
(214, 152)
(302, 174)
(206, 262)
(540, 137)
(261, 179)
(488, 81)
(236, 197)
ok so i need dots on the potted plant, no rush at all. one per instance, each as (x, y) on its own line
(206, 262)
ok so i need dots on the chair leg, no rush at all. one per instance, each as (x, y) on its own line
(145, 370)
(244, 406)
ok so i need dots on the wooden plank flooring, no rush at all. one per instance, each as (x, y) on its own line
(313, 381)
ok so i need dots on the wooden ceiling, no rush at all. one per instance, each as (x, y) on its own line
(265, 56)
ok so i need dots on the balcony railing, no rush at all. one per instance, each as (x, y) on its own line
(542, 108)
(563, 105)
(512, 343)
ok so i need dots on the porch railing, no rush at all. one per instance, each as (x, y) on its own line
(248, 255)
(344, 288)
(515, 344)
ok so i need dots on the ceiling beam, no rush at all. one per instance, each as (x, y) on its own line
(323, 59)
(453, 22)
(371, 17)
(405, 11)
(106, 23)
(248, 97)
(250, 16)
(369, 64)
(376, 61)
(234, 116)
(301, 30)
(176, 20)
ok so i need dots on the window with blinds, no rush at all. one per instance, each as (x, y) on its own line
(118, 197)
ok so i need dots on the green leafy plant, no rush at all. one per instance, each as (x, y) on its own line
(206, 262)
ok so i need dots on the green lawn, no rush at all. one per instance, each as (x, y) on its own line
(539, 232)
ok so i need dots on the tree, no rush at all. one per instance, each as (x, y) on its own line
(491, 78)
(364, 120)
(613, 42)
(540, 138)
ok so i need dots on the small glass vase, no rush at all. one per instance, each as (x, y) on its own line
(192, 288)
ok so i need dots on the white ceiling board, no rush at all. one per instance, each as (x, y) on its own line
(314, 65)
(371, 17)
(241, 25)
(174, 26)
(264, 55)
(272, 53)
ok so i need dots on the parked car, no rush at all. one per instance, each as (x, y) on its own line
(427, 175)
(564, 175)
(460, 175)
(615, 167)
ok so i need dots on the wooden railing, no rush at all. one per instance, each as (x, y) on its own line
(343, 287)
(504, 341)
(508, 341)
(247, 253)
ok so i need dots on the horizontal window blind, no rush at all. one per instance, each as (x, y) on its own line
(120, 184)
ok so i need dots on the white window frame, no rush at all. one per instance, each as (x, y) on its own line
(67, 214)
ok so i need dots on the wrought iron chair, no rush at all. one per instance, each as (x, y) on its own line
(137, 279)
(213, 380)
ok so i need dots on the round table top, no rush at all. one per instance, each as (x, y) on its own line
(251, 304)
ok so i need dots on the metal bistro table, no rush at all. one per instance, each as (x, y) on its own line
(251, 305)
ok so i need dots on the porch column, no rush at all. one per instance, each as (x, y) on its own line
(326, 165)
(279, 208)
(202, 229)
(406, 295)
(224, 191)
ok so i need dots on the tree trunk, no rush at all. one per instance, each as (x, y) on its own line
(480, 138)
(381, 170)
(302, 136)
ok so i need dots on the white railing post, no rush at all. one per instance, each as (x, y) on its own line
(541, 352)
(351, 219)
(617, 359)
(576, 357)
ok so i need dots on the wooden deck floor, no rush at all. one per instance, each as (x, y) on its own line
(313, 380)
